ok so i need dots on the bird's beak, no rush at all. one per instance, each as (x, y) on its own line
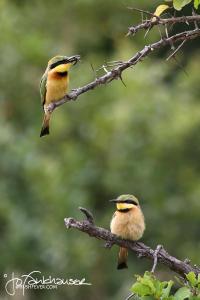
(73, 59)
(114, 200)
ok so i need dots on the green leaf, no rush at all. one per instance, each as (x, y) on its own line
(159, 288)
(196, 3)
(166, 291)
(191, 277)
(179, 281)
(182, 293)
(198, 278)
(148, 282)
(141, 289)
(179, 4)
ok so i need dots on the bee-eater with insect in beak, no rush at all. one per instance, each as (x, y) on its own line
(54, 84)
(128, 223)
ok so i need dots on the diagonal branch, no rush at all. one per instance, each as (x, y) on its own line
(178, 266)
(116, 72)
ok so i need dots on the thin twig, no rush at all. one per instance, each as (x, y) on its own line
(195, 22)
(176, 50)
(155, 255)
(94, 72)
(180, 65)
(163, 257)
(144, 12)
(130, 296)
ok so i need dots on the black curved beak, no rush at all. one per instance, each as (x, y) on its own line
(74, 59)
(114, 200)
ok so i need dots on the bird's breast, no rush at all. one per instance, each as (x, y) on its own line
(57, 86)
(128, 225)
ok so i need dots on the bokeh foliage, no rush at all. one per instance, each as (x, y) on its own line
(143, 139)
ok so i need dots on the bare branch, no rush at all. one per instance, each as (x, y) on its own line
(148, 24)
(178, 266)
(116, 72)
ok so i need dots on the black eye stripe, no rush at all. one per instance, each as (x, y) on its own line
(60, 62)
(131, 201)
(125, 210)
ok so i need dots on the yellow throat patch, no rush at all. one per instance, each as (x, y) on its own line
(124, 206)
(62, 68)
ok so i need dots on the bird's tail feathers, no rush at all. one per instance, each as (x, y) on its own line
(45, 125)
(122, 258)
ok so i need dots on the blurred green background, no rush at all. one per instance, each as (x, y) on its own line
(142, 139)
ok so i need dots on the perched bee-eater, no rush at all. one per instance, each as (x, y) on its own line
(128, 223)
(54, 84)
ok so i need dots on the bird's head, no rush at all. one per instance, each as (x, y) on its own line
(61, 63)
(126, 202)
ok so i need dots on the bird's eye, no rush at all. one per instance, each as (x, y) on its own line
(52, 66)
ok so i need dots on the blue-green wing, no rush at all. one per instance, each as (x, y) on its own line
(43, 88)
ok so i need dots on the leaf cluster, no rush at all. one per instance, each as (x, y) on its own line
(179, 4)
(148, 287)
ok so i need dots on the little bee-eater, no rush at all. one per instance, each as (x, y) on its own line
(54, 84)
(128, 223)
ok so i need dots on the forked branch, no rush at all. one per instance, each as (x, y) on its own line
(160, 255)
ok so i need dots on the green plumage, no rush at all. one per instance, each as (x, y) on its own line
(43, 88)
